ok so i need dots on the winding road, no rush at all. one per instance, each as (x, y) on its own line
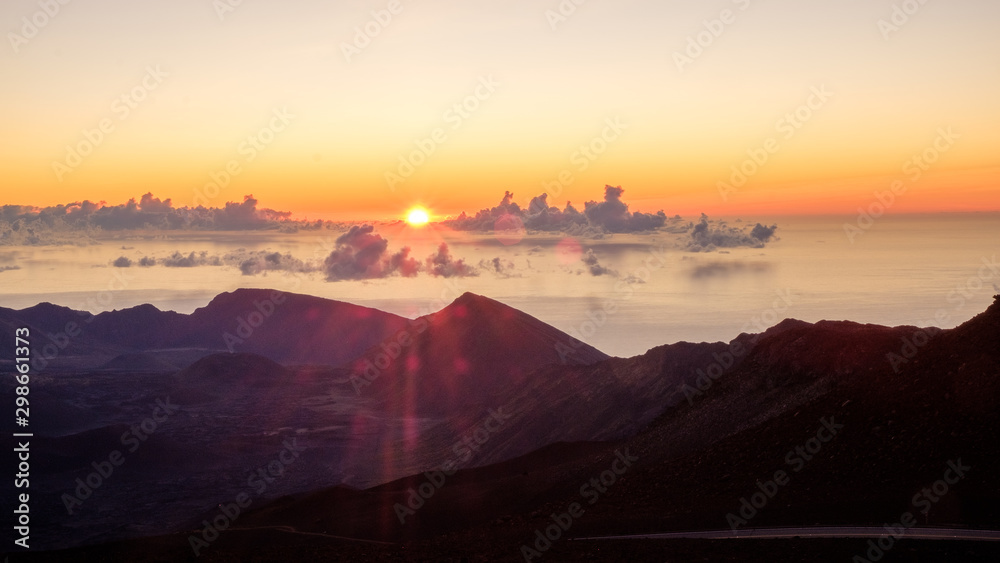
(817, 532)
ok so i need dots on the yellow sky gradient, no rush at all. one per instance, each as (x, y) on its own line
(539, 94)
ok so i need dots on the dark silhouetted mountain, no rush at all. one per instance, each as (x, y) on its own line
(910, 400)
(46, 317)
(285, 327)
(301, 329)
(465, 354)
(143, 327)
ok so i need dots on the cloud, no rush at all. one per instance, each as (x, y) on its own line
(251, 263)
(613, 215)
(175, 260)
(762, 233)
(502, 268)
(363, 254)
(178, 260)
(486, 219)
(594, 267)
(706, 237)
(597, 219)
(442, 264)
(246, 216)
(402, 263)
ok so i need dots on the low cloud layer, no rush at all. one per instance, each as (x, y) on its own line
(26, 225)
(597, 218)
(359, 254)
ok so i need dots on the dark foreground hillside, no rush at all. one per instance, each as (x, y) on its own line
(816, 424)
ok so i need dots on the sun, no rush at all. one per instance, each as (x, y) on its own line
(417, 217)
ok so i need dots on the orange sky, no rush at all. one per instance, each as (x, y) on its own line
(839, 107)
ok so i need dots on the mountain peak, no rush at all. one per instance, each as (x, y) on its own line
(466, 355)
(474, 306)
(469, 298)
(241, 295)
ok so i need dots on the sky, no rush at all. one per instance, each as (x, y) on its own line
(726, 107)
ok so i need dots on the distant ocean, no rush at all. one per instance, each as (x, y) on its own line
(917, 270)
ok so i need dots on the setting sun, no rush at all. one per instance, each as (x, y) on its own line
(417, 217)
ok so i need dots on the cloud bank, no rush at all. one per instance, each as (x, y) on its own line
(597, 218)
(27, 225)
(359, 254)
